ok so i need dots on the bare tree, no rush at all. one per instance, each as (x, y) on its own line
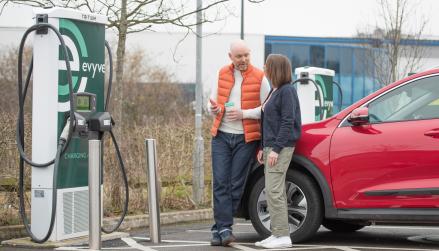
(394, 50)
(128, 16)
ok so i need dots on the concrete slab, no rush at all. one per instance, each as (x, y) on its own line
(27, 243)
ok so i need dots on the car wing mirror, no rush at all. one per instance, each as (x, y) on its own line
(359, 116)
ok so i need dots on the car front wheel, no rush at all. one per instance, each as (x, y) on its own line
(305, 211)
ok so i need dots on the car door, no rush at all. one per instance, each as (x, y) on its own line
(393, 160)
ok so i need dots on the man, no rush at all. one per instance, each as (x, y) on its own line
(235, 102)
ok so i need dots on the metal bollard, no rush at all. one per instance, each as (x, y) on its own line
(153, 190)
(94, 199)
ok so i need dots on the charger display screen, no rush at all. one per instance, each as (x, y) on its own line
(83, 103)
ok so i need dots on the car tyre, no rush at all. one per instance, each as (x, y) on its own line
(305, 206)
(341, 226)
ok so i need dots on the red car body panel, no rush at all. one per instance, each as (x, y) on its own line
(364, 165)
(315, 142)
(379, 157)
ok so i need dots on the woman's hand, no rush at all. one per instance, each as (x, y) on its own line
(260, 157)
(234, 114)
(272, 158)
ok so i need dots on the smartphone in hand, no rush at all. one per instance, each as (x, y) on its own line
(213, 102)
(214, 106)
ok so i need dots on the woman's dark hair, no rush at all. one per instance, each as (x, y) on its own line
(278, 70)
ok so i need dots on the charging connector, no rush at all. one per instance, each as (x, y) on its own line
(304, 77)
(65, 132)
(42, 18)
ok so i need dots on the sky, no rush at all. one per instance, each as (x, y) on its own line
(332, 18)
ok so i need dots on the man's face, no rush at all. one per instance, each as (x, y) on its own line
(240, 57)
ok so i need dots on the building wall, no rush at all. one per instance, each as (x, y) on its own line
(178, 56)
(172, 51)
(11, 37)
(348, 57)
(176, 53)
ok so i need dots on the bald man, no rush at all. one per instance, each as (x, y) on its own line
(235, 102)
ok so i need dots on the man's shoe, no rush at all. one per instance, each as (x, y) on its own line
(278, 242)
(227, 237)
(259, 243)
(216, 239)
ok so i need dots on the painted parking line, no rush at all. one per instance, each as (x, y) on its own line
(173, 241)
(295, 247)
(86, 248)
(132, 243)
(181, 245)
(347, 249)
(70, 248)
(244, 246)
(210, 231)
(241, 247)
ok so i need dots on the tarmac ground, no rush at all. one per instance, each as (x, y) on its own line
(195, 236)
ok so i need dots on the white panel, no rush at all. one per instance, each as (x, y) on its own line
(72, 213)
(306, 94)
(315, 71)
(44, 126)
(80, 209)
(67, 213)
(58, 12)
(41, 211)
(44, 106)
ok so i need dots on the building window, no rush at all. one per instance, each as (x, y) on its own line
(317, 56)
(352, 71)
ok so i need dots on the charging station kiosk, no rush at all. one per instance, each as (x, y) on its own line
(311, 108)
(84, 35)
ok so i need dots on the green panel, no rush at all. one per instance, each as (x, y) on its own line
(89, 40)
(73, 168)
(325, 83)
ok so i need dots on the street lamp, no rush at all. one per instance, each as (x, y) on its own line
(242, 19)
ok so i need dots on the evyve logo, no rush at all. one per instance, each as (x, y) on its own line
(92, 67)
(83, 63)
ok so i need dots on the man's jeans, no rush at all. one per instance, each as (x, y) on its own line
(230, 159)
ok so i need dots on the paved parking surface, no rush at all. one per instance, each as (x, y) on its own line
(372, 238)
(195, 237)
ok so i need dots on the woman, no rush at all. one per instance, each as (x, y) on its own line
(281, 127)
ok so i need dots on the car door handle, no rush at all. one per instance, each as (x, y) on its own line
(432, 133)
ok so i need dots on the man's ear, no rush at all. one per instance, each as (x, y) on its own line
(230, 56)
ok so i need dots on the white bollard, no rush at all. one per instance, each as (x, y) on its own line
(94, 186)
(153, 190)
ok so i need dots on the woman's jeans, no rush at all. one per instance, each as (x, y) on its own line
(230, 161)
(275, 190)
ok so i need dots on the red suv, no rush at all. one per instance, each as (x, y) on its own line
(375, 161)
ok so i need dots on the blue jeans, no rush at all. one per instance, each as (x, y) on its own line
(230, 161)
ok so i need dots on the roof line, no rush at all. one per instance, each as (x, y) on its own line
(346, 40)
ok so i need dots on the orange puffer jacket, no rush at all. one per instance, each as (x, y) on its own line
(250, 98)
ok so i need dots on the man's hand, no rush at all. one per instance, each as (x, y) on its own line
(272, 158)
(233, 114)
(214, 107)
(260, 157)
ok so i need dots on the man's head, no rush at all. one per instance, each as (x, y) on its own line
(240, 55)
